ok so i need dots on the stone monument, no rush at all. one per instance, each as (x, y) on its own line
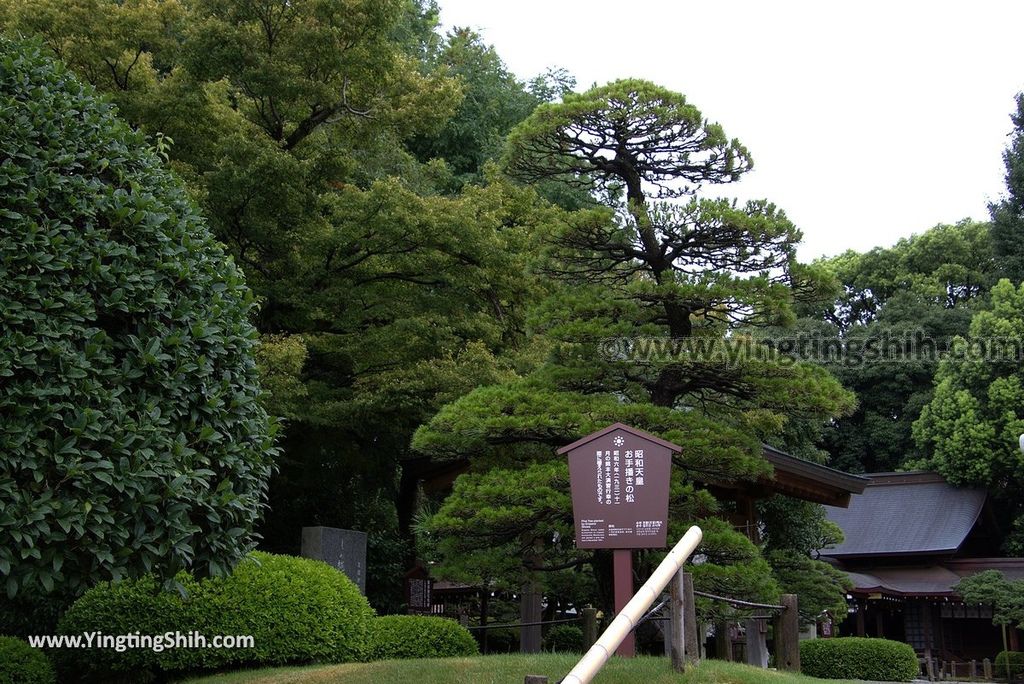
(341, 549)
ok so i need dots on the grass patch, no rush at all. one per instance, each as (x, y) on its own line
(507, 669)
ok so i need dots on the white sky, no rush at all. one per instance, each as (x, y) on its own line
(868, 121)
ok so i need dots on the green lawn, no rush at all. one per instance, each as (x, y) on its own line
(507, 669)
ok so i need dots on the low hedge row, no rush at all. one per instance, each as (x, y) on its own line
(413, 636)
(22, 664)
(1016, 664)
(565, 639)
(298, 611)
(877, 660)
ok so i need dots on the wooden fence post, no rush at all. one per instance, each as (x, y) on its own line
(787, 635)
(677, 624)
(589, 627)
(694, 633)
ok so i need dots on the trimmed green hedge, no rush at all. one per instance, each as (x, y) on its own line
(22, 664)
(299, 611)
(877, 660)
(414, 636)
(1016, 660)
(127, 376)
(565, 639)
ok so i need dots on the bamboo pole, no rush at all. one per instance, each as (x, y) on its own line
(594, 659)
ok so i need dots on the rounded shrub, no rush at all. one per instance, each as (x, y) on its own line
(415, 636)
(297, 610)
(22, 664)
(565, 639)
(879, 660)
(1014, 660)
(132, 439)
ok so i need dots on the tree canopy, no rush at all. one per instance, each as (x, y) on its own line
(969, 430)
(1008, 214)
(909, 301)
(635, 267)
(384, 288)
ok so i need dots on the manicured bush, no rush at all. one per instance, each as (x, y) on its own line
(298, 610)
(565, 639)
(1016, 663)
(22, 664)
(879, 660)
(132, 438)
(415, 636)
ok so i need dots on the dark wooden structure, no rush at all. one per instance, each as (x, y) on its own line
(909, 539)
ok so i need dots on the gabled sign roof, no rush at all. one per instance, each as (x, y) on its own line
(625, 428)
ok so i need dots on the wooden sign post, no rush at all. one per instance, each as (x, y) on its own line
(619, 477)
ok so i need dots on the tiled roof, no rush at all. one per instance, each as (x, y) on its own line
(901, 514)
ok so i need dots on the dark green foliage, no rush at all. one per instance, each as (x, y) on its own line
(1009, 664)
(819, 585)
(794, 525)
(564, 639)
(131, 437)
(493, 102)
(298, 610)
(969, 430)
(416, 636)
(878, 660)
(22, 664)
(992, 588)
(923, 288)
(1008, 215)
(733, 567)
(31, 613)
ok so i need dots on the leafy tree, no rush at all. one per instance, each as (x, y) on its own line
(1008, 214)
(794, 525)
(943, 268)
(819, 586)
(635, 268)
(992, 588)
(907, 301)
(794, 533)
(132, 436)
(969, 430)
(380, 299)
(493, 102)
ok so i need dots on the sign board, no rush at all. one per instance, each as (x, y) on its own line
(418, 590)
(619, 479)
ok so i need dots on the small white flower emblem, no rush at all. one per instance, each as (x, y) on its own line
(619, 441)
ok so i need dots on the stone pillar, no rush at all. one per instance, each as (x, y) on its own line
(757, 644)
